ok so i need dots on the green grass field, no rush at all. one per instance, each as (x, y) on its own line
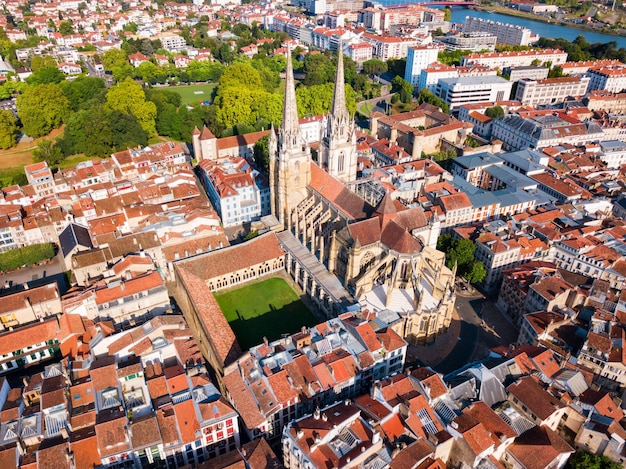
(188, 92)
(265, 309)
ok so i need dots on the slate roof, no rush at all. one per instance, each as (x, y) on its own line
(72, 236)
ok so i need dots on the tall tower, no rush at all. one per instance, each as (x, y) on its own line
(338, 144)
(290, 157)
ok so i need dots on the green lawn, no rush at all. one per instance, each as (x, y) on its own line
(265, 309)
(192, 94)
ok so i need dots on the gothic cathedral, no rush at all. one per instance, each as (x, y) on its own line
(338, 153)
(290, 158)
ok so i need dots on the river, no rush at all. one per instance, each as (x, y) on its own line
(537, 27)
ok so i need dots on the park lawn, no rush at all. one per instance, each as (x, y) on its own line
(187, 92)
(268, 308)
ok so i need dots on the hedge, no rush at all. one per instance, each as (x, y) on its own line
(28, 255)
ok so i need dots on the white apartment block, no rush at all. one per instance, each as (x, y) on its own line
(533, 73)
(501, 60)
(359, 52)
(466, 90)
(429, 77)
(550, 90)
(610, 78)
(505, 32)
(389, 47)
(172, 42)
(238, 192)
(476, 42)
(419, 58)
(613, 153)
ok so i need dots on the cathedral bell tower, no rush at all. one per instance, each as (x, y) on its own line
(338, 153)
(290, 157)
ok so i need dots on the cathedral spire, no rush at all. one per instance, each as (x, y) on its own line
(290, 126)
(339, 109)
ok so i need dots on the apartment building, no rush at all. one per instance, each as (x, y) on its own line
(550, 90)
(540, 130)
(467, 90)
(335, 436)
(430, 76)
(238, 192)
(502, 60)
(530, 72)
(389, 47)
(172, 42)
(505, 33)
(611, 78)
(419, 58)
(474, 41)
(28, 306)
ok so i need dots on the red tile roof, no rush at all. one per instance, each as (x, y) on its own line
(231, 259)
(211, 317)
(353, 206)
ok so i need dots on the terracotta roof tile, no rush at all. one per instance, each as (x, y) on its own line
(214, 264)
(333, 190)
(145, 431)
(211, 316)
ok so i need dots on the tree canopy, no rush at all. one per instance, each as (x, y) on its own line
(461, 253)
(42, 108)
(375, 67)
(494, 112)
(425, 96)
(129, 98)
(584, 460)
(8, 129)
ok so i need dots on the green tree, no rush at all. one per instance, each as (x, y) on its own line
(319, 69)
(113, 59)
(447, 14)
(317, 99)
(9, 129)
(225, 53)
(477, 273)
(584, 460)
(147, 72)
(460, 252)
(46, 75)
(128, 97)
(425, 96)
(494, 112)
(82, 90)
(403, 88)
(241, 74)
(66, 28)
(397, 66)
(48, 151)
(555, 72)
(262, 154)
(41, 61)
(452, 57)
(42, 108)
(375, 67)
